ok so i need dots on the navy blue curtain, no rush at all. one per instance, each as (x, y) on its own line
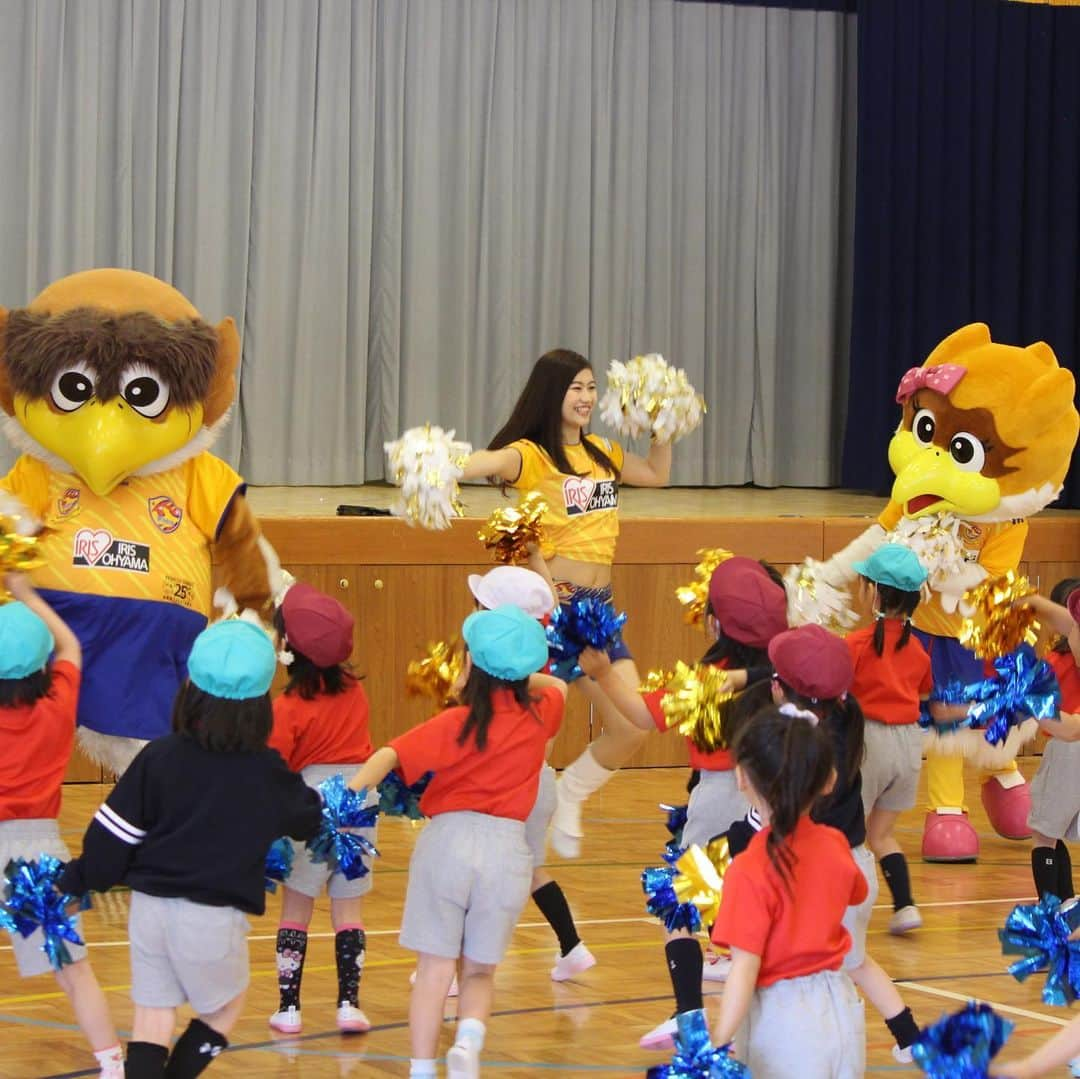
(968, 196)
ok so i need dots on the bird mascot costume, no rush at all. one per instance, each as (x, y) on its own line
(984, 442)
(114, 387)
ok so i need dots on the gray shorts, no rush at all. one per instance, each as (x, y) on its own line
(536, 824)
(1055, 789)
(890, 769)
(30, 839)
(714, 804)
(856, 920)
(812, 1027)
(185, 951)
(468, 883)
(310, 878)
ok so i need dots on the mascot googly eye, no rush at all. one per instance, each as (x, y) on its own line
(114, 387)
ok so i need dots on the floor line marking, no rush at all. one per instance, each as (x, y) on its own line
(1009, 1009)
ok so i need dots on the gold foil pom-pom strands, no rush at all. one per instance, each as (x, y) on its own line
(511, 530)
(998, 625)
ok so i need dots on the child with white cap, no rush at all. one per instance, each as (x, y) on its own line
(471, 867)
(38, 701)
(187, 828)
(320, 730)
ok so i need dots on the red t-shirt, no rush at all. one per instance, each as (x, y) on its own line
(1068, 675)
(328, 729)
(797, 932)
(719, 760)
(502, 778)
(35, 744)
(889, 687)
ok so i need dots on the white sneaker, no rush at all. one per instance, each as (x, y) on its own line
(1074, 1066)
(661, 1037)
(904, 921)
(463, 1062)
(451, 992)
(351, 1020)
(716, 968)
(902, 1056)
(576, 961)
(287, 1021)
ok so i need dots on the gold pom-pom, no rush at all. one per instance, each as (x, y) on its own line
(18, 554)
(655, 680)
(692, 704)
(695, 596)
(719, 853)
(996, 627)
(700, 881)
(510, 531)
(436, 675)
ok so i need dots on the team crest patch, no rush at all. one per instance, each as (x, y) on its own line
(97, 548)
(68, 502)
(165, 513)
(970, 533)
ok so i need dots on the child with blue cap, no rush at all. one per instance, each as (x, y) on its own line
(187, 828)
(892, 677)
(471, 868)
(38, 702)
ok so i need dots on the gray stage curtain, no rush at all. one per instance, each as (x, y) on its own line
(404, 202)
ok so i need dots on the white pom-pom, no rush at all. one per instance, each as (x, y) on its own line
(225, 602)
(426, 463)
(648, 394)
(23, 522)
(812, 600)
(935, 540)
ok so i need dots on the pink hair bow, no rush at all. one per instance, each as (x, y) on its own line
(942, 378)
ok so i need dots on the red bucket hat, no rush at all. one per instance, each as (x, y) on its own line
(813, 662)
(1074, 604)
(749, 605)
(317, 625)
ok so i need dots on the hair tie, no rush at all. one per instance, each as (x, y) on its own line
(794, 711)
(285, 657)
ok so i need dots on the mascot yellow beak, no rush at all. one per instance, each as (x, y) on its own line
(105, 442)
(931, 479)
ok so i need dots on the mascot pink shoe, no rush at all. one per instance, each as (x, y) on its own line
(1007, 808)
(949, 837)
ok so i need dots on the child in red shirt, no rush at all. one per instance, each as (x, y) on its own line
(38, 701)
(891, 677)
(788, 1005)
(471, 868)
(320, 729)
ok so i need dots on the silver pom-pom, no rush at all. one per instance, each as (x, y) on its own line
(426, 463)
(649, 395)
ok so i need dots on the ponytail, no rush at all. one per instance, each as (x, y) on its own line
(476, 695)
(845, 722)
(893, 603)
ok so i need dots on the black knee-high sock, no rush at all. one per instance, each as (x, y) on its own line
(903, 1028)
(895, 870)
(554, 907)
(685, 964)
(194, 1051)
(145, 1060)
(291, 950)
(1065, 877)
(349, 945)
(1044, 869)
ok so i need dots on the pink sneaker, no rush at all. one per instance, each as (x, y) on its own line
(661, 1037)
(576, 961)
(352, 1020)
(716, 968)
(287, 1021)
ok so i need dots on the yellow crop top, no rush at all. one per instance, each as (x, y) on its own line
(582, 521)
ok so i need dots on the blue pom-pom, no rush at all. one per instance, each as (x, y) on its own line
(695, 1057)
(584, 622)
(1040, 933)
(31, 901)
(662, 902)
(398, 800)
(675, 823)
(279, 863)
(343, 850)
(961, 1045)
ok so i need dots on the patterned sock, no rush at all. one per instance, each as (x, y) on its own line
(1044, 869)
(903, 1028)
(685, 964)
(471, 1032)
(895, 870)
(349, 945)
(145, 1060)
(291, 950)
(554, 907)
(1065, 878)
(111, 1061)
(194, 1051)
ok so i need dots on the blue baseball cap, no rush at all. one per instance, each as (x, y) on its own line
(25, 641)
(894, 565)
(233, 659)
(506, 642)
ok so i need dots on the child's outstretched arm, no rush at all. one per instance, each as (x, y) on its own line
(597, 666)
(67, 644)
(738, 993)
(541, 681)
(375, 769)
(1055, 1053)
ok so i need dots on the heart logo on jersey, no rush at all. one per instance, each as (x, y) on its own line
(578, 492)
(92, 545)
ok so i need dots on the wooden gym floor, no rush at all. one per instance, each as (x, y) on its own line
(586, 1027)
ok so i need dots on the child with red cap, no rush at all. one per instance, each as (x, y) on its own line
(745, 610)
(320, 730)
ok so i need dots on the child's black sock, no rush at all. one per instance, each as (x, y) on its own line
(685, 963)
(894, 868)
(554, 907)
(145, 1060)
(291, 950)
(1044, 868)
(349, 945)
(194, 1051)
(903, 1028)
(1065, 877)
